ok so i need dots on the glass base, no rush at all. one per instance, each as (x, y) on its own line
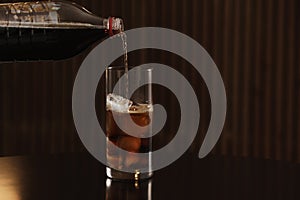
(118, 175)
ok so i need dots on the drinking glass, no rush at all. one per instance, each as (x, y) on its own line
(123, 108)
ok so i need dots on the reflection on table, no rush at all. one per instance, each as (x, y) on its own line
(128, 190)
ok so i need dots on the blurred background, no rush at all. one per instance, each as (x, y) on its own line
(254, 43)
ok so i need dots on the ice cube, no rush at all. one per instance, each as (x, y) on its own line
(118, 103)
(129, 143)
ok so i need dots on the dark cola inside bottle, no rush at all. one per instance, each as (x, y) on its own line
(50, 30)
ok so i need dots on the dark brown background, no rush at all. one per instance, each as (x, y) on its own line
(255, 44)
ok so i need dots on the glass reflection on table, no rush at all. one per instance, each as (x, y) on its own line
(128, 190)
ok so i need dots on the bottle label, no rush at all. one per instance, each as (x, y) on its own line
(31, 13)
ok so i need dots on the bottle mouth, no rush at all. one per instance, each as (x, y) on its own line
(115, 24)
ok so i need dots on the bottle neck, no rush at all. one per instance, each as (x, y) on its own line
(113, 25)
